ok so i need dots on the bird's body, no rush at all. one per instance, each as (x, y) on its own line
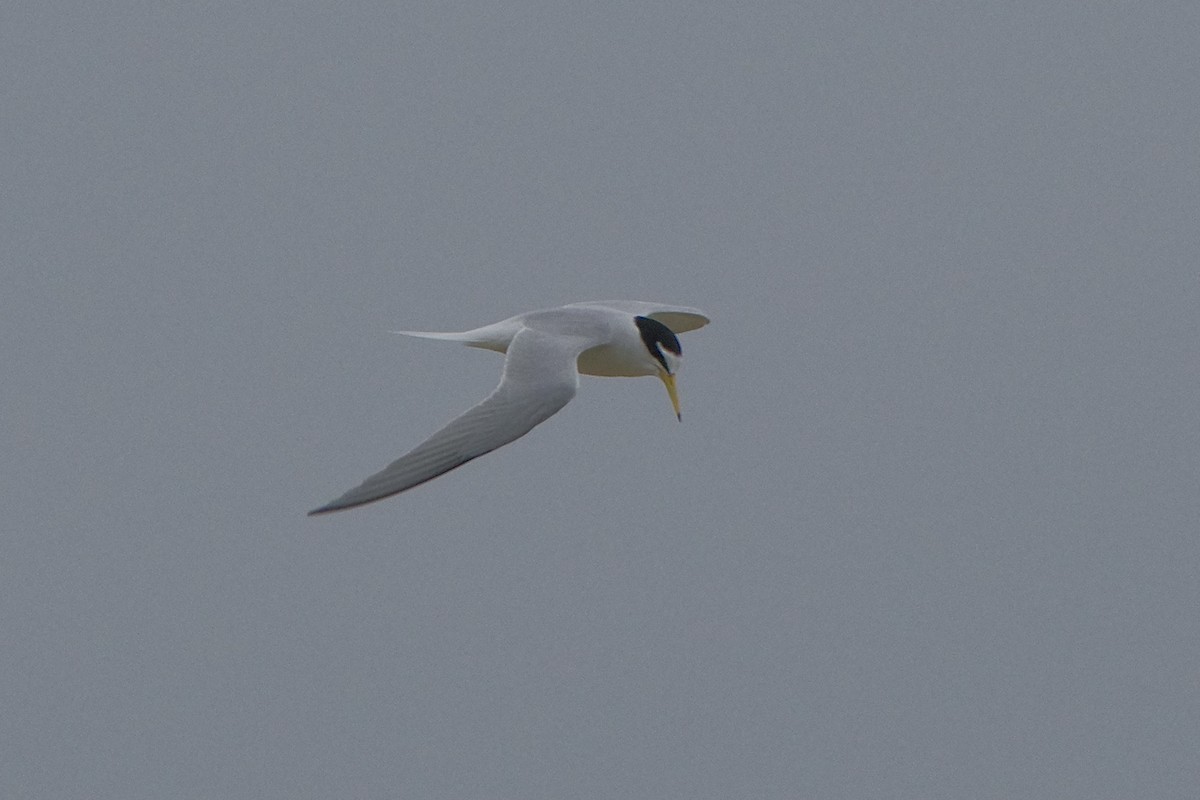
(546, 351)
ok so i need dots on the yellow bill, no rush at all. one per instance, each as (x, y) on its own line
(669, 382)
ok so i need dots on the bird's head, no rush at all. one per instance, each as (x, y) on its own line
(666, 355)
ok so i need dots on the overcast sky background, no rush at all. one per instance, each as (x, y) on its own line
(928, 528)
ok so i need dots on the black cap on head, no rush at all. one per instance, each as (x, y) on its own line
(655, 335)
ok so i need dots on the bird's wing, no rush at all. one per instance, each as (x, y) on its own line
(539, 379)
(679, 319)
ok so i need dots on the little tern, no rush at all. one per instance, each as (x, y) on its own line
(546, 352)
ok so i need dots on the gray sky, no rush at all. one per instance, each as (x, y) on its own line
(928, 528)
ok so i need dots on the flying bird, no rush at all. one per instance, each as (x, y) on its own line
(545, 353)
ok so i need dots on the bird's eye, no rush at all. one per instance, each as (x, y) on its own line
(665, 357)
